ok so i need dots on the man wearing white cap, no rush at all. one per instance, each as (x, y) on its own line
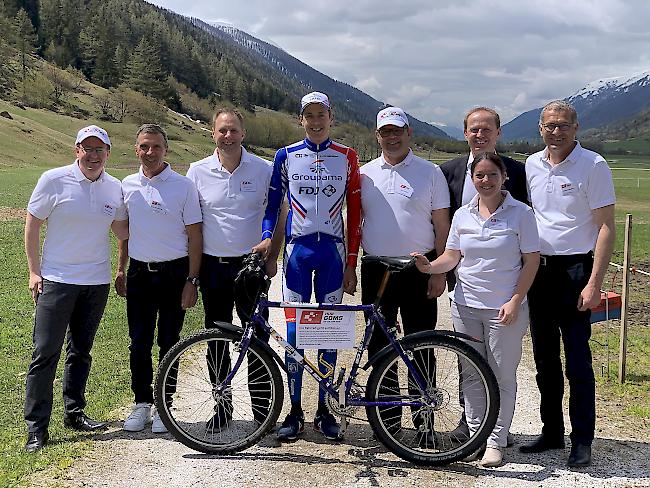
(69, 282)
(405, 205)
(318, 175)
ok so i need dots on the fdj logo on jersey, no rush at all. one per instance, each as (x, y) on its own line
(328, 191)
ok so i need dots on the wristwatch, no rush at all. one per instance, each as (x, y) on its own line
(194, 280)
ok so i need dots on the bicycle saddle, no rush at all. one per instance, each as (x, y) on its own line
(397, 263)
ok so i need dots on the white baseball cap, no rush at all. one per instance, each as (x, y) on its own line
(392, 116)
(92, 131)
(314, 97)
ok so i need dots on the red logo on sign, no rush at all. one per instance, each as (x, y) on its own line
(312, 317)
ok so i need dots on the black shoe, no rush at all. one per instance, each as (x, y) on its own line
(460, 434)
(542, 443)
(36, 440)
(580, 456)
(83, 423)
(221, 418)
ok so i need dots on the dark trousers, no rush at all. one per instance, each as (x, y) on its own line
(219, 298)
(153, 293)
(554, 314)
(73, 313)
(406, 292)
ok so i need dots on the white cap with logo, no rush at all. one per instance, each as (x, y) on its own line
(314, 97)
(392, 116)
(92, 131)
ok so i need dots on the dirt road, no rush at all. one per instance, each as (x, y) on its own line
(121, 459)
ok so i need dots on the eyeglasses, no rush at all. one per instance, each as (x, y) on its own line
(386, 132)
(97, 150)
(552, 127)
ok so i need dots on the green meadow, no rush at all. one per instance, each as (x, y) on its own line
(36, 140)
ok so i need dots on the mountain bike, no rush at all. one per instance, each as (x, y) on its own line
(219, 391)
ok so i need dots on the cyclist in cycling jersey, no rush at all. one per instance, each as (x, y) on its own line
(317, 175)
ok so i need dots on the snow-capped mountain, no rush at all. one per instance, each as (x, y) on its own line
(598, 103)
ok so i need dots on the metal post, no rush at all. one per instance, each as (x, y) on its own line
(624, 299)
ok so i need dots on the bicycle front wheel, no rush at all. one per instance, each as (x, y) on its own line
(424, 433)
(203, 412)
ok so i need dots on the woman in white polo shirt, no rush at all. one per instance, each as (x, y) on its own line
(494, 241)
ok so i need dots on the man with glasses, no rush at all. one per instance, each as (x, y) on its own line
(405, 206)
(70, 281)
(482, 128)
(164, 252)
(572, 194)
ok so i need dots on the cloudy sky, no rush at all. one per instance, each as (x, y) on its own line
(436, 59)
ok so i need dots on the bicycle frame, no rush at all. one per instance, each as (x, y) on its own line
(326, 382)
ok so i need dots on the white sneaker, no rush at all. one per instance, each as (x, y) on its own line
(157, 426)
(139, 417)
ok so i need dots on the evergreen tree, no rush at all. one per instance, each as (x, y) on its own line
(144, 72)
(25, 41)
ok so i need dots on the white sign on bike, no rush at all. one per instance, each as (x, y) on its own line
(324, 329)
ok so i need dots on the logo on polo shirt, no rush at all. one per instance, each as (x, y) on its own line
(312, 317)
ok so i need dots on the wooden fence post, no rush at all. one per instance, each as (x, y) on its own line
(622, 350)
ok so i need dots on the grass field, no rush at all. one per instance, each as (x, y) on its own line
(35, 140)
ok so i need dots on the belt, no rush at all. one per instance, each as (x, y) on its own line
(224, 259)
(564, 259)
(156, 266)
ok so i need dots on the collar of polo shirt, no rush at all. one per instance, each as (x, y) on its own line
(79, 176)
(405, 162)
(163, 175)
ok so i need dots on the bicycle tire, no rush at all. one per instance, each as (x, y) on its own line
(192, 410)
(425, 436)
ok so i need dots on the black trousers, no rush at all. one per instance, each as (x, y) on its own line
(63, 312)
(407, 293)
(219, 298)
(153, 296)
(553, 300)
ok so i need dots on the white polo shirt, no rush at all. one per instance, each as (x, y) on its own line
(233, 204)
(159, 209)
(397, 202)
(79, 214)
(564, 196)
(491, 251)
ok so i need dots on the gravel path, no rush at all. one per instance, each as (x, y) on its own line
(121, 459)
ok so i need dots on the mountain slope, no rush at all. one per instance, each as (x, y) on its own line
(351, 104)
(599, 103)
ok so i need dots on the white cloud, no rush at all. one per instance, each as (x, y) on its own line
(438, 59)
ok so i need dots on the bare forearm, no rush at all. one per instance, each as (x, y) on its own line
(195, 248)
(122, 254)
(32, 243)
(527, 275)
(445, 262)
(602, 254)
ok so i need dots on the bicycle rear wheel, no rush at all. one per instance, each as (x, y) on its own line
(203, 413)
(424, 435)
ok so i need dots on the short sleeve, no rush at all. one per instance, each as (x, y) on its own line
(600, 189)
(528, 234)
(192, 209)
(43, 199)
(440, 196)
(453, 239)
